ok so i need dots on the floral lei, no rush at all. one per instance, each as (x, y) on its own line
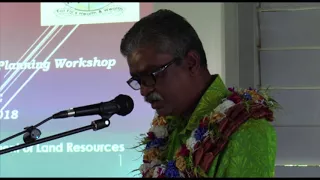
(194, 157)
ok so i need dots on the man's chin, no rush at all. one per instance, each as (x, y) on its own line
(162, 112)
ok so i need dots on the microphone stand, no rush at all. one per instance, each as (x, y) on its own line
(95, 125)
(27, 129)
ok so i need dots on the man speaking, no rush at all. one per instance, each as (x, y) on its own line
(202, 129)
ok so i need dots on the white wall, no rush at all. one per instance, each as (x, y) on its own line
(208, 21)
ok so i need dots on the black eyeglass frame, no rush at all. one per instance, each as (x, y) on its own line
(153, 75)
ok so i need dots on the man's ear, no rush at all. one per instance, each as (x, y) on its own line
(193, 62)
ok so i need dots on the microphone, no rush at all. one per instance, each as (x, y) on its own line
(121, 105)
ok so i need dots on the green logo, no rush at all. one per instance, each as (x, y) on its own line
(87, 6)
(88, 9)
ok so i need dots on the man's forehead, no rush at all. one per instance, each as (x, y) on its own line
(144, 60)
(139, 55)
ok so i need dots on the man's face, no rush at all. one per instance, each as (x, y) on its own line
(169, 93)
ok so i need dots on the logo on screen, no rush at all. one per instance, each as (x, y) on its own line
(72, 13)
(87, 6)
(88, 9)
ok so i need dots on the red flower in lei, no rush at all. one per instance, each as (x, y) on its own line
(235, 97)
(184, 151)
(151, 136)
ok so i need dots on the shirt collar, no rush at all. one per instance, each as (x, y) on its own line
(208, 102)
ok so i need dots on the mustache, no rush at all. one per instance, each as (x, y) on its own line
(153, 97)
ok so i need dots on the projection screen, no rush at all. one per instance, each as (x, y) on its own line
(56, 56)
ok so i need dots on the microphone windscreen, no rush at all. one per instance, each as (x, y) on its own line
(126, 104)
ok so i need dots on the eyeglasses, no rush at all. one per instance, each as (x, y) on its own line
(148, 80)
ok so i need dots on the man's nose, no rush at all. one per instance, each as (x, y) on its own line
(144, 90)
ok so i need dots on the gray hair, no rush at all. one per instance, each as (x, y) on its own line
(166, 31)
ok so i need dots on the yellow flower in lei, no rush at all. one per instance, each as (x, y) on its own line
(216, 117)
(151, 154)
(159, 121)
(254, 94)
(181, 163)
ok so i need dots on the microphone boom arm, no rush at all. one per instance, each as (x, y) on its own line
(26, 130)
(95, 125)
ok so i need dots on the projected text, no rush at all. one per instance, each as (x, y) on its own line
(58, 63)
(9, 115)
(65, 63)
(70, 147)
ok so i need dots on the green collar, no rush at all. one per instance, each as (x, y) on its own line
(208, 102)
